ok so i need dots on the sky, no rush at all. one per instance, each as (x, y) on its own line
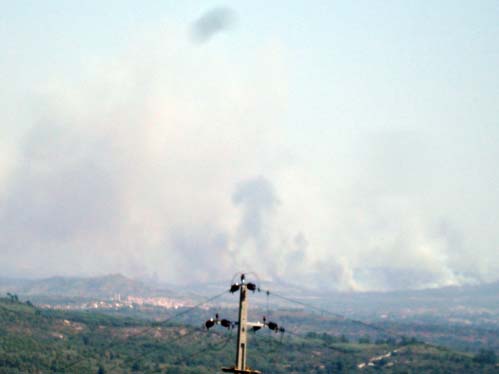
(347, 145)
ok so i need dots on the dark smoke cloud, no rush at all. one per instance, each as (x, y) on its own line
(261, 242)
(257, 199)
(212, 23)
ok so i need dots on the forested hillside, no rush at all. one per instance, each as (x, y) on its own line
(41, 341)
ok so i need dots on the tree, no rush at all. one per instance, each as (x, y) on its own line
(136, 366)
(365, 339)
(13, 297)
(485, 356)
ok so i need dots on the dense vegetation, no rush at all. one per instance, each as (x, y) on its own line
(43, 341)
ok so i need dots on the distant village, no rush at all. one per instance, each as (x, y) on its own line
(118, 302)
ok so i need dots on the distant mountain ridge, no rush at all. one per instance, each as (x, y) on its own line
(109, 286)
(96, 287)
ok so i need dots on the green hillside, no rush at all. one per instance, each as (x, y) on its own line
(41, 341)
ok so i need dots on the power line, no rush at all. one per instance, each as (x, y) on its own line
(212, 347)
(154, 326)
(141, 356)
(208, 347)
(384, 330)
(243, 326)
(243, 287)
(337, 315)
(182, 358)
(190, 309)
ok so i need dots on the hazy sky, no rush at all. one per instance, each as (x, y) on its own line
(351, 144)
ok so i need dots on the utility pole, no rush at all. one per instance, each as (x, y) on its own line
(242, 326)
(241, 331)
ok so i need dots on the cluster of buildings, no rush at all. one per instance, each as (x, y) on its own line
(118, 302)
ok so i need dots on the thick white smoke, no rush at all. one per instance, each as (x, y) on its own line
(142, 169)
(175, 159)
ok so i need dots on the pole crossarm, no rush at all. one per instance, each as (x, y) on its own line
(243, 326)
